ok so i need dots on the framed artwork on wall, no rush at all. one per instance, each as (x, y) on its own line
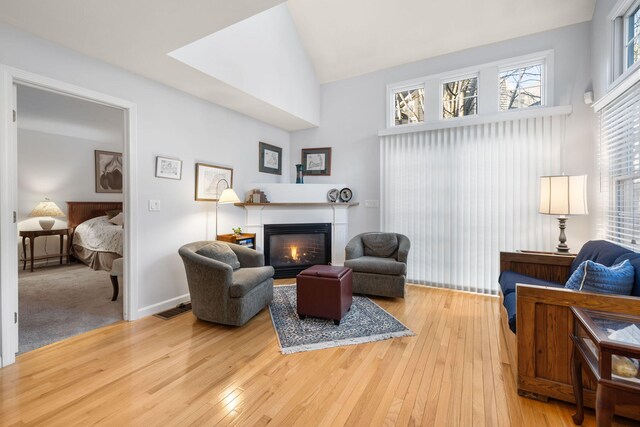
(270, 159)
(211, 181)
(108, 171)
(167, 167)
(316, 161)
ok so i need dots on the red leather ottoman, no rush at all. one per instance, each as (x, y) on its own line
(324, 291)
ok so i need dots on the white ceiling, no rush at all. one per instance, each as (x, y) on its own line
(53, 113)
(346, 38)
(343, 38)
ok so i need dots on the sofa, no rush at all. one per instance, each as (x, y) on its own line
(379, 263)
(536, 320)
(221, 294)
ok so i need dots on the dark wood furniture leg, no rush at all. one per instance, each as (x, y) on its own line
(61, 248)
(24, 253)
(116, 288)
(578, 392)
(605, 406)
(31, 251)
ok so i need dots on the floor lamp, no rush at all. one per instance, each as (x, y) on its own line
(227, 196)
(561, 196)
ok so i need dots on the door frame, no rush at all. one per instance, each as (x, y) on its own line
(9, 77)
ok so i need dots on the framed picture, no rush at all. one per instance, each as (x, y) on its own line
(108, 172)
(211, 181)
(270, 158)
(168, 168)
(316, 161)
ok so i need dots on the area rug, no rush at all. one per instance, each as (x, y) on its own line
(62, 301)
(365, 322)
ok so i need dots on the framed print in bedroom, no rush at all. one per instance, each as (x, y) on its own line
(210, 181)
(270, 159)
(316, 161)
(108, 171)
(167, 167)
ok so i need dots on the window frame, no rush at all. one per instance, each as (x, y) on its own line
(456, 78)
(619, 70)
(631, 10)
(543, 81)
(391, 118)
(488, 82)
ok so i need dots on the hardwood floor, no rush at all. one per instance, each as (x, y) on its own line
(187, 372)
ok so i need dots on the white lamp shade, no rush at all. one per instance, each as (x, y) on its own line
(228, 196)
(46, 208)
(563, 195)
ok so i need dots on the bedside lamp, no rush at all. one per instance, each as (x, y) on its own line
(561, 196)
(46, 209)
(227, 196)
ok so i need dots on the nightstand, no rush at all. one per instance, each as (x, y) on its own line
(32, 234)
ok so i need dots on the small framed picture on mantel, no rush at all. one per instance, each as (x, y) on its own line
(317, 161)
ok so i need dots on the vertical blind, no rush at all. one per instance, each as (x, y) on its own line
(619, 157)
(464, 194)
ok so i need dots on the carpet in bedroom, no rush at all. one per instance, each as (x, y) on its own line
(58, 302)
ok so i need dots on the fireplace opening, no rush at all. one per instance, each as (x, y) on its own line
(291, 248)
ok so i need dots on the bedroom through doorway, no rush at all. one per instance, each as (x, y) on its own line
(70, 216)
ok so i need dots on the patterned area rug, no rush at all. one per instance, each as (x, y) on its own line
(365, 322)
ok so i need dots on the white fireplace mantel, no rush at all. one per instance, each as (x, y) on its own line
(299, 204)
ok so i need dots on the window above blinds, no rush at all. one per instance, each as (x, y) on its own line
(619, 158)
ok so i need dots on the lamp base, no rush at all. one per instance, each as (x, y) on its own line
(562, 246)
(47, 223)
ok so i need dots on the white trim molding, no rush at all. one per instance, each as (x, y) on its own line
(162, 305)
(480, 119)
(617, 90)
(9, 77)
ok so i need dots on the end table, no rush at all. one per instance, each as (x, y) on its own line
(32, 234)
(608, 344)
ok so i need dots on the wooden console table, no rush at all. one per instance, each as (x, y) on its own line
(32, 234)
(608, 346)
(245, 239)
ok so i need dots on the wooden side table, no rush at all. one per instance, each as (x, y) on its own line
(32, 234)
(246, 239)
(608, 344)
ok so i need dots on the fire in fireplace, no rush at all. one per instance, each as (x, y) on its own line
(291, 248)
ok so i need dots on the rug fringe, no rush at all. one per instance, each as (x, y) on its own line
(349, 341)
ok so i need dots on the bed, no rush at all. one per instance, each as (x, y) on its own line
(95, 241)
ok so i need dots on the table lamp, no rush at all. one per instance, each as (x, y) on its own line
(561, 196)
(46, 209)
(227, 196)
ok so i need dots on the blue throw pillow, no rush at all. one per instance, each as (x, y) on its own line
(593, 277)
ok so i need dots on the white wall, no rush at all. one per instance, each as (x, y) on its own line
(60, 168)
(170, 123)
(601, 34)
(262, 56)
(352, 111)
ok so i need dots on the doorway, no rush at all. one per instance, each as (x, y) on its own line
(9, 312)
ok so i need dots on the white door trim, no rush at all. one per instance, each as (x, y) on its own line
(8, 198)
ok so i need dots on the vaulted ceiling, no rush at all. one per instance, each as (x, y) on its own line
(342, 38)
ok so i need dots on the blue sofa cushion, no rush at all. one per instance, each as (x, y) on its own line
(599, 251)
(634, 259)
(509, 303)
(593, 277)
(509, 279)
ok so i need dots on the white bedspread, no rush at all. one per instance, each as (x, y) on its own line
(98, 234)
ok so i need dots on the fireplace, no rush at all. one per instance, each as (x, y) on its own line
(291, 248)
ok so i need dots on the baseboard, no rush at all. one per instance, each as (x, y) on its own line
(162, 306)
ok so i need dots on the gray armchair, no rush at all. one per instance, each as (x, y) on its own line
(379, 263)
(221, 294)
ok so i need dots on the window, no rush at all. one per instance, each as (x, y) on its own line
(460, 98)
(620, 168)
(409, 106)
(521, 87)
(632, 39)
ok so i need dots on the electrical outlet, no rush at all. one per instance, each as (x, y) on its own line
(371, 204)
(154, 205)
